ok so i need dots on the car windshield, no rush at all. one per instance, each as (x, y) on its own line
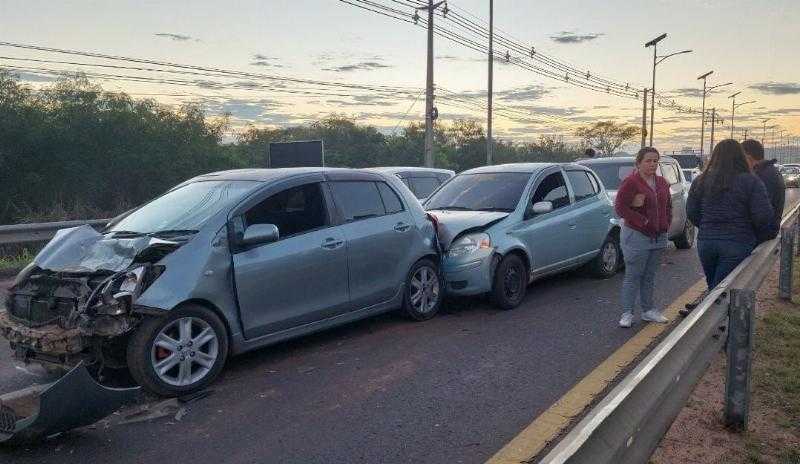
(185, 209)
(687, 161)
(496, 191)
(612, 174)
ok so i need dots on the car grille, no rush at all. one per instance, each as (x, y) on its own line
(36, 311)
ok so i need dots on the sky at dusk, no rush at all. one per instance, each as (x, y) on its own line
(751, 43)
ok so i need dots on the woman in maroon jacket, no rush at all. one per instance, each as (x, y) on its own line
(645, 206)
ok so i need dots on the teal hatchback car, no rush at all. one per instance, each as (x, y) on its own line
(502, 227)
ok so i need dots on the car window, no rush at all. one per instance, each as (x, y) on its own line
(581, 185)
(553, 189)
(495, 191)
(669, 173)
(612, 174)
(293, 211)
(357, 199)
(424, 186)
(391, 201)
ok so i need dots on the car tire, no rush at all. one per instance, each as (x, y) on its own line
(685, 240)
(189, 344)
(609, 260)
(423, 291)
(510, 282)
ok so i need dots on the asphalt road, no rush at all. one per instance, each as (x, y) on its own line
(454, 389)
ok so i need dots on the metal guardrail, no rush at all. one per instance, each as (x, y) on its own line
(39, 232)
(629, 422)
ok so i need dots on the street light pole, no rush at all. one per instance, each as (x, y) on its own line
(654, 44)
(703, 117)
(764, 134)
(733, 109)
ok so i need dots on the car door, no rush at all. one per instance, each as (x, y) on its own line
(670, 172)
(592, 214)
(545, 235)
(380, 231)
(301, 277)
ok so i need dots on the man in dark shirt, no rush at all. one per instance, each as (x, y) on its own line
(768, 173)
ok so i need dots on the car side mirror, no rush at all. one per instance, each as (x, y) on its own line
(258, 234)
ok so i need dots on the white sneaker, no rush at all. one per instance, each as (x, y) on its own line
(626, 320)
(654, 316)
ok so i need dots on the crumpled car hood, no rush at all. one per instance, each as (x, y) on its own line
(84, 250)
(453, 223)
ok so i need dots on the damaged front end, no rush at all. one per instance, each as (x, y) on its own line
(75, 302)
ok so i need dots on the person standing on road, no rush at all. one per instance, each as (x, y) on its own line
(644, 203)
(730, 207)
(769, 175)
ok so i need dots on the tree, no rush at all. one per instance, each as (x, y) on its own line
(607, 136)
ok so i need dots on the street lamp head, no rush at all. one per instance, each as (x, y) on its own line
(705, 75)
(655, 41)
(734, 95)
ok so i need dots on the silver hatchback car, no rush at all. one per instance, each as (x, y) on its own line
(612, 171)
(221, 264)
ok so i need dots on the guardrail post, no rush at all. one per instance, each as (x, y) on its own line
(787, 261)
(740, 354)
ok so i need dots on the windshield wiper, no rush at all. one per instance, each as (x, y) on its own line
(363, 216)
(500, 210)
(454, 208)
(172, 232)
(125, 233)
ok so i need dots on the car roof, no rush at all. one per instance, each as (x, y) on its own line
(269, 175)
(525, 168)
(619, 160)
(397, 169)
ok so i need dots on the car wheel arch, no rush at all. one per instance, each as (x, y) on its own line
(526, 260)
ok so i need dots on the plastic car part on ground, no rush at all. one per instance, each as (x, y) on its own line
(75, 400)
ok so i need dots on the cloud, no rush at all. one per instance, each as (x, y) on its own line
(529, 92)
(686, 92)
(176, 37)
(551, 110)
(265, 61)
(364, 100)
(459, 58)
(566, 37)
(360, 66)
(777, 88)
(243, 109)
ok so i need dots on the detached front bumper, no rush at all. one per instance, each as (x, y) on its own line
(75, 400)
(469, 275)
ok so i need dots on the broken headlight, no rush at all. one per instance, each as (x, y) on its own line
(132, 282)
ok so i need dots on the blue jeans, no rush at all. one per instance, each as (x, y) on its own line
(640, 278)
(720, 257)
(642, 256)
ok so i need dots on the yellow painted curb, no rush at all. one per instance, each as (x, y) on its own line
(552, 422)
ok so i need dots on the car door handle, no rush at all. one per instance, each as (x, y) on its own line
(332, 243)
(401, 227)
(573, 226)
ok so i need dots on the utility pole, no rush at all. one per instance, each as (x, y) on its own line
(780, 145)
(644, 119)
(713, 125)
(764, 134)
(745, 134)
(430, 111)
(489, 141)
(703, 117)
(733, 109)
